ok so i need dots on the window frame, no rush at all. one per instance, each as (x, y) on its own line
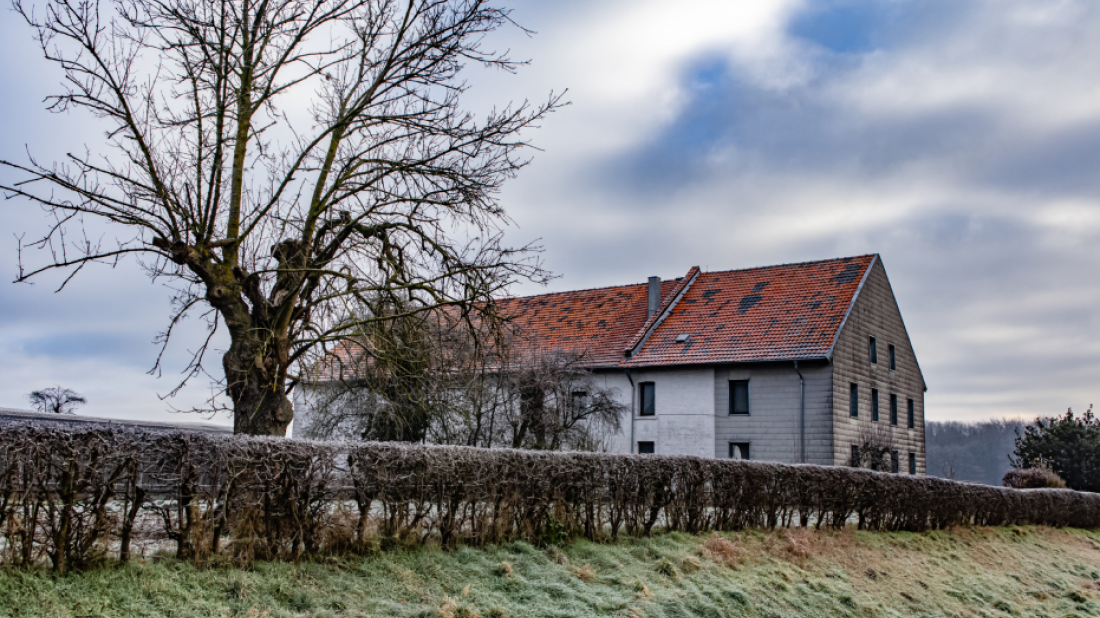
(745, 452)
(874, 405)
(581, 397)
(732, 398)
(911, 415)
(895, 462)
(913, 464)
(894, 409)
(892, 354)
(872, 351)
(642, 399)
(652, 447)
(853, 400)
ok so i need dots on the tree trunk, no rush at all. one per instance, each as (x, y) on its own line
(256, 379)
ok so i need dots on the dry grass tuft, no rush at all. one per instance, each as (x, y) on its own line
(641, 589)
(721, 550)
(799, 542)
(690, 564)
(585, 573)
(504, 569)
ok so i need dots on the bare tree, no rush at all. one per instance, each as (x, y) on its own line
(56, 400)
(433, 380)
(874, 449)
(278, 159)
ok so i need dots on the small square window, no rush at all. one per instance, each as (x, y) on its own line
(894, 462)
(739, 450)
(912, 416)
(874, 404)
(854, 462)
(739, 396)
(648, 406)
(893, 409)
(912, 463)
(893, 356)
(872, 350)
(853, 400)
(645, 448)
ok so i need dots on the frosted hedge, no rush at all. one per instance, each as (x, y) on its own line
(71, 496)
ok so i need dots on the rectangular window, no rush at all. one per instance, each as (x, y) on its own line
(854, 462)
(874, 404)
(895, 466)
(739, 396)
(893, 409)
(872, 350)
(853, 400)
(912, 417)
(648, 406)
(893, 357)
(580, 400)
(739, 450)
(912, 463)
(645, 448)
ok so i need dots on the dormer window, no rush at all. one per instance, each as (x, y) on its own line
(872, 350)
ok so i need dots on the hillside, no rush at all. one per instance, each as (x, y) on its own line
(964, 572)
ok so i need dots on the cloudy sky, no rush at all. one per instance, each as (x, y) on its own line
(959, 139)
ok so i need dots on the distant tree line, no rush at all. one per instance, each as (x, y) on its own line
(976, 452)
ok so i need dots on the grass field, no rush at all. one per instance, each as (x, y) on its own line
(986, 572)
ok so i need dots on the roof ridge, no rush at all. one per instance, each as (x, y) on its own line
(807, 262)
(604, 287)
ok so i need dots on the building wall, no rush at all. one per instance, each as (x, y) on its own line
(684, 419)
(772, 425)
(876, 313)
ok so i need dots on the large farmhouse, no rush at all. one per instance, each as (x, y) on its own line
(798, 363)
(792, 363)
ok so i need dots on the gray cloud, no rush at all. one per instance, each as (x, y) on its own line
(956, 138)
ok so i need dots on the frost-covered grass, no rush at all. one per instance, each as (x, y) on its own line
(965, 572)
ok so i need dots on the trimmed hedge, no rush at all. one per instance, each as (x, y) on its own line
(69, 495)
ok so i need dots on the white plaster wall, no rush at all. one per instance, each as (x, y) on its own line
(619, 385)
(772, 425)
(684, 420)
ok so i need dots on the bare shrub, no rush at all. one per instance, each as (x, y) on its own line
(70, 495)
(1039, 477)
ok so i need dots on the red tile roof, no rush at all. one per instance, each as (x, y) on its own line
(792, 311)
(598, 324)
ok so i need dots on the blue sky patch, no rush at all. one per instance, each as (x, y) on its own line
(846, 26)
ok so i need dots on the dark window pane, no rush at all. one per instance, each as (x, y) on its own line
(912, 463)
(739, 450)
(874, 404)
(645, 448)
(872, 349)
(580, 400)
(912, 416)
(894, 463)
(855, 457)
(893, 409)
(739, 396)
(853, 401)
(893, 357)
(649, 392)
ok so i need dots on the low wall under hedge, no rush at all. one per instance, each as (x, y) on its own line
(70, 495)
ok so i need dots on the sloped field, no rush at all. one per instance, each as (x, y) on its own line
(971, 572)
